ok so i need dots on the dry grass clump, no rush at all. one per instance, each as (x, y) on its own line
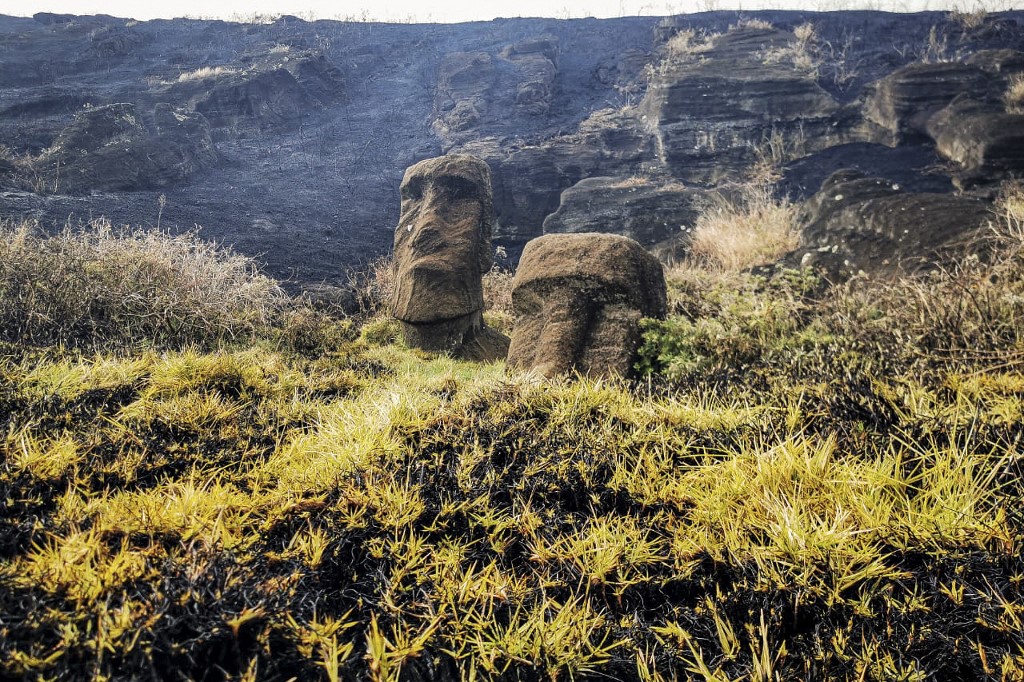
(753, 23)
(969, 20)
(498, 291)
(1014, 96)
(752, 229)
(374, 286)
(964, 313)
(632, 181)
(101, 286)
(963, 316)
(205, 72)
(802, 53)
(689, 44)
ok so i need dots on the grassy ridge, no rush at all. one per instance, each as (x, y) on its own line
(804, 485)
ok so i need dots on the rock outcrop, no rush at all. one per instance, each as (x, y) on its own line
(480, 94)
(985, 141)
(108, 149)
(315, 122)
(647, 210)
(857, 223)
(578, 301)
(901, 103)
(442, 249)
(529, 180)
(711, 110)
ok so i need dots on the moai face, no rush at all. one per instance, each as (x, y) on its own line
(443, 244)
(578, 301)
(562, 330)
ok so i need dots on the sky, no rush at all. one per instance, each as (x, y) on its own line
(456, 10)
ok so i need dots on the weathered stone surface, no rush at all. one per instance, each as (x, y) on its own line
(578, 300)
(113, 41)
(108, 149)
(981, 138)
(647, 210)
(529, 180)
(902, 102)
(1005, 62)
(273, 92)
(710, 114)
(269, 98)
(442, 250)
(859, 223)
(480, 94)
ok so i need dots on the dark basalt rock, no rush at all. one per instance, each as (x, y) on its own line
(529, 181)
(1005, 62)
(268, 98)
(480, 94)
(273, 93)
(113, 41)
(985, 141)
(578, 301)
(108, 149)
(902, 102)
(709, 113)
(646, 210)
(857, 223)
(316, 121)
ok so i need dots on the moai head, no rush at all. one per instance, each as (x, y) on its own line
(578, 301)
(442, 250)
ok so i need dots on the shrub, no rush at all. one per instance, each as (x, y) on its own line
(803, 52)
(752, 229)
(374, 285)
(102, 286)
(687, 44)
(960, 317)
(1014, 96)
(205, 72)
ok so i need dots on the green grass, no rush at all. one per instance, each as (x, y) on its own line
(805, 484)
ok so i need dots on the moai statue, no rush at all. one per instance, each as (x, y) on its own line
(442, 249)
(578, 301)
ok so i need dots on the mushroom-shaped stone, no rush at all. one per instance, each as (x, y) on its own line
(578, 301)
(442, 249)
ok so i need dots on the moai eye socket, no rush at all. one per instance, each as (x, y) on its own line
(458, 188)
(413, 190)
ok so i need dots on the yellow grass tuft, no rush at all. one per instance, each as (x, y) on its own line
(754, 229)
(204, 73)
(1014, 96)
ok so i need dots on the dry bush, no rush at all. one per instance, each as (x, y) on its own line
(1014, 95)
(969, 21)
(205, 72)
(100, 286)
(802, 53)
(632, 181)
(758, 24)
(936, 50)
(753, 229)
(374, 285)
(689, 43)
(1011, 205)
(498, 299)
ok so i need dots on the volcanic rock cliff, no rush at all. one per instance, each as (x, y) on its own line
(289, 139)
